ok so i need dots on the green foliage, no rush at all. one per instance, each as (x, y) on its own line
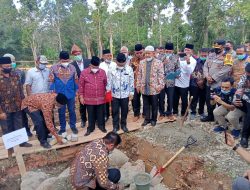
(46, 27)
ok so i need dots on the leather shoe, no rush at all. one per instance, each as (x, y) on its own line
(83, 124)
(125, 129)
(207, 119)
(145, 123)
(153, 123)
(87, 133)
(104, 130)
(244, 142)
(115, 130)
(46, 145)
(25, 144)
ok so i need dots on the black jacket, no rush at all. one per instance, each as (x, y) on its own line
(86, 63)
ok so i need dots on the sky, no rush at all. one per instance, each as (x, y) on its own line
(112, 7)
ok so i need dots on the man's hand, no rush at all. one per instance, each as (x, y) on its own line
(3, 116)
(131, 97)
(217, 99)
(247, 175)
(121, 186)
(230, 140)
(59, 140)
(238, 103)
(82, 100)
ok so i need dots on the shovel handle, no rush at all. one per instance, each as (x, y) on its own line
(186, 112)
(172, 159)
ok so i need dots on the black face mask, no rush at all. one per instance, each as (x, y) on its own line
(217, 50)
(7, 70)
(227, 48)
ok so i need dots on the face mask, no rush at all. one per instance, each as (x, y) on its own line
(168, 55)
(126, 55)
(226, 92)
(13, 65)
(241, 57)
(119, 67)
(107, 61)
(65, 64)
(41, 66)
(227, 48)
(203, 58)
(78, 58)
(182, 59)
(149, 59)
(217, 50)
(7, 70)
(94, 70)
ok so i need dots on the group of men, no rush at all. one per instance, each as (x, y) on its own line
(151, 76)
(218, 77)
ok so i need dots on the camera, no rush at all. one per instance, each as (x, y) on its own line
(212, 93)
(238, 96)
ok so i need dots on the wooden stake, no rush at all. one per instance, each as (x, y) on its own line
(20, 161)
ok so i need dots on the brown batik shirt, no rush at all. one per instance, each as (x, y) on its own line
(11, 93)
(91, 165)
(44, 102)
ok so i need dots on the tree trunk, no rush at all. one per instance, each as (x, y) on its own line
(58, 27)
(111, 43)
(137, 27)
(33, 47)
(205, 37)
(160, 29)
(99, 35)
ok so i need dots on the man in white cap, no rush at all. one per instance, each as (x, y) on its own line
(37, 78)
(124, 50)
(150, 82)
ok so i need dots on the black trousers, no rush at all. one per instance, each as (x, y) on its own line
(183, 94)
(95, 113)
(199, 95)
(12, 123)
(136, 103)
(170, 100)
(117, 105)
(161, 101)
(25, 121)
(107, 112)
(83, 111)
(210, 108)
(246, 125)
(39, 125)
(114, 176)
(150, 104)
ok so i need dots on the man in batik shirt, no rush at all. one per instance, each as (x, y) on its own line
(89, 169)
(150, 82)
(40, 109)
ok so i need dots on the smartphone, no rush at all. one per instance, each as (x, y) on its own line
(182, 54)
(238, 97)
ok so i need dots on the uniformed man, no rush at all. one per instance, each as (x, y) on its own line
(229, 48)
(216, 67)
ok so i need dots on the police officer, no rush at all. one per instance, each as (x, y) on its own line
(216, 67)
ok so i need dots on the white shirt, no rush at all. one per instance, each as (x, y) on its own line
(80, 65)
(38, 80)
(186, 71)
(106, 67)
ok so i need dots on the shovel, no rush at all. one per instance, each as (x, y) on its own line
(190, 141)
(186, 112)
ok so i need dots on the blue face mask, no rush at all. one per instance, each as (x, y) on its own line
(241, 57)
(168, 54)
(78, 58)
(203, 58)
(226, 92)
(13, 65)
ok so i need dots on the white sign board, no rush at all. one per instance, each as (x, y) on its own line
(15, 138)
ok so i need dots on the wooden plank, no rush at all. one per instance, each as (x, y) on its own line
(97, 134)
(19, 160)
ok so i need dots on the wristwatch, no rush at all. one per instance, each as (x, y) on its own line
(236, 147)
